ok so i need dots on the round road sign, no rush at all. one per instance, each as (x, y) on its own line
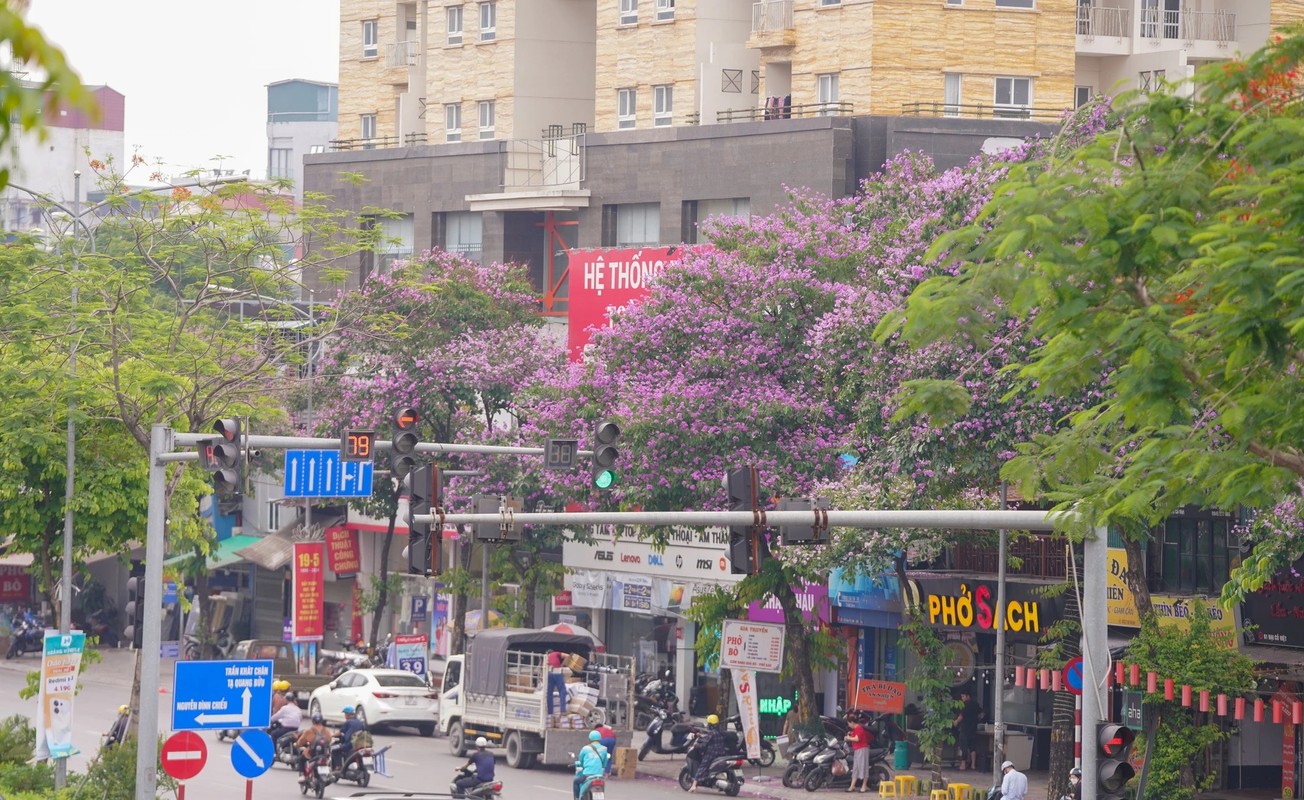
(1073, 676)
(252, 753)
(184, 755)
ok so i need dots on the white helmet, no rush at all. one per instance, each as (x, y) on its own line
(481, 742)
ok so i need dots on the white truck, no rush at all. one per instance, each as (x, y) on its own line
(497, 690)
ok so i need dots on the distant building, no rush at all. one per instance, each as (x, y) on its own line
(73, 138)
(301, 119)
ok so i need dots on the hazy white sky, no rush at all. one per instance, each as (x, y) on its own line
(194, 73)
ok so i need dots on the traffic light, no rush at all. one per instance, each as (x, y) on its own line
(744, 540)
(227, 461)
(605, 453)
(1113, 764)
(424, 488)
(403, 442)
(135, 612)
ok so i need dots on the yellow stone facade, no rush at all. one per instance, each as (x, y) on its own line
(367, 86)
(640, 56)
(471, 72)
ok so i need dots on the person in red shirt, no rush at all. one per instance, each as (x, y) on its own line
(859, 738)
(556, 681)
(608, 741)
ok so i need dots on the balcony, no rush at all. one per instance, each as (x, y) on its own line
(543, 174)
(772, 25)
(1038, 557)
(1096, 20)
(982, 111)
(778, 108)
(378, 142)
(1189, 26)
(402, 54)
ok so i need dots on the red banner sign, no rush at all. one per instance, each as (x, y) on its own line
(15, 584)
(342, 551)
(309, 585)
(880, 697)
(606, 280)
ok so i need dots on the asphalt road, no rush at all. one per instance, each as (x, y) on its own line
(417, 763)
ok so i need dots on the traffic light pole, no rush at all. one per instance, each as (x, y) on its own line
(160, 447)
(1095, 653)
(965, 520)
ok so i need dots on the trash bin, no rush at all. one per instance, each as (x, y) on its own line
(901, 756)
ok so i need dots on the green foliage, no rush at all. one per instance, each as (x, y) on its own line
(17, 740)
(368, 597)
(27, 777)
(931, 678)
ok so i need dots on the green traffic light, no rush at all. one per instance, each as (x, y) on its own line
(604, 479)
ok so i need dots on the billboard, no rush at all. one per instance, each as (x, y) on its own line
(606, 280)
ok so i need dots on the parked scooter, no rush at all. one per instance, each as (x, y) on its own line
(726, 771)
(832, 768)
(28, 635)
(219, 648)
(680, 734)
(103, 624)
(802, 756)
(485, 790)
(653, 694)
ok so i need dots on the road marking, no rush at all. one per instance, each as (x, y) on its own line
(550, 789)
(404, 763)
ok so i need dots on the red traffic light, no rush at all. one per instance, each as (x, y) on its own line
(407, 419)
(228, 428)
(1115, 740)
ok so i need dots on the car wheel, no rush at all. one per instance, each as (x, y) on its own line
(457, 740)
(314, 709)
(426, 729)
(515, 756)
(361, 714)
(685, 779)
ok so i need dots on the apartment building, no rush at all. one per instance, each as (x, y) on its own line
(301, 119)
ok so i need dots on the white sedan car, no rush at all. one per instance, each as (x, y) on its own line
(379, 697)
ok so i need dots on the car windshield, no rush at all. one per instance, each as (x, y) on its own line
(399, 680)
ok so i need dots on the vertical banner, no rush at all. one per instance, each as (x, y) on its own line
(309, 587)
(342, 551)
(744, 682)
(439, 623)
(60, 661)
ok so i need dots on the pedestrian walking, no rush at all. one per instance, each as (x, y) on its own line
(1014, 786)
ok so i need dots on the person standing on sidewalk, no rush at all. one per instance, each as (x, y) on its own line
(1014, 786)
(859, 738)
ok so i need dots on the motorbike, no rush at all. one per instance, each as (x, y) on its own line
(286, 753)
(801, 757)
(484, 790)
(28, 636)
(832, 768)
(593, 788)
(318, 772)
(655, 694)
(680, 734)
(359, 765)
(234, 733)
(116, 731)
(767, 746)
(220, 647)
(726, 771)
(103, 625)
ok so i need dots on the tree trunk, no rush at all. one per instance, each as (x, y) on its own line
(1135, 577)
(726, 694)
(383, 598)
(799, 657)
(1064, 715)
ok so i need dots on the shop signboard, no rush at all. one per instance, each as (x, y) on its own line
(309, 588)
(606, 280)
(15, 584)
(811, 599)
(745, 690)
(970, 605)
(343, 551)
(867, 592)
(632, 593)
(61, 657)
(880, 697)
(410, 653)
(1274, 615)
(588, 589)
(691, 554)
(751, 645)
(1172, 611)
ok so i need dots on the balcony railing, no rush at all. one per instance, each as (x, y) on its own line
(377, 142)
(771, 15)
(1039, 557)
(1189, 26)
(1104, 21)
(402, 54)
(784, 111)
(981, 111)
(557, 160)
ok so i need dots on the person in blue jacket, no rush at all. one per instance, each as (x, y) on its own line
(592, 762)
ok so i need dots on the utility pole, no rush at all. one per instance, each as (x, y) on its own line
(998, 694)
(1095, 652)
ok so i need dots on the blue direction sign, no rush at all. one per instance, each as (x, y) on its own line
(321, 473)
(252, 753)
(211, 695)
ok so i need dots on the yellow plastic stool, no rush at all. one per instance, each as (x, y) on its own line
(939, 794)
(907, 785)
(960, 791)
(887, 789)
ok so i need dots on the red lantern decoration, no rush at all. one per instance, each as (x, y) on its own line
(1222, 705)
(1152, 681)
(1168, 688)
(1240, 708)
(1186, 695)
(1055, 678)
(1276, 711)
(1045, 679)
(1031, 675)
(1297, 712)
(1134, 675)
(1204, 700)
(1118, 672)
(1258, 709)
(1018, 676)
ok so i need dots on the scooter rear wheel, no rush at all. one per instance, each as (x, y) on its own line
(685, 779)
(645, 749)
(735, 786)
(815, 780)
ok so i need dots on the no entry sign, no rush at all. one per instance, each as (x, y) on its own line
(184, 755)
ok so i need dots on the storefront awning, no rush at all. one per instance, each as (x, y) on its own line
(223, 554)
(1284, 659)
(17, 560)
(275, 550)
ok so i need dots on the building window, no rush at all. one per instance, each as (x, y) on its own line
(626, 103)
(367, 126)
(395, 242)
(628, 12)
(488, 22)
(830, 2)
(632, 225)
(663, 105)
(756, 81)
(453, 122)
(454, 14)
(731, 81)
(951, 94)
(370, 38)
(696, 211)
(826, 94)
(486, 119)
(1195, 552)
(1082, 95)
(1013, 97)
(280, 163)
(1015, 3)
(464, 234)
(665, 9)
(274, 515)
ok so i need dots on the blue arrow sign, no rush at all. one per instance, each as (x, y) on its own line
(321, 473)
(211, 695)
(253, 753)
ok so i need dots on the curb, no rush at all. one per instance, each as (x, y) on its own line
(750, 788)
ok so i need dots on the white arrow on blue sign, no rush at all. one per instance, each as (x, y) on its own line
(210, 695)
(253, 753)
(321, 473)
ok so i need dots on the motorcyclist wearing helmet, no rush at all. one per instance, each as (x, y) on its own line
(479, 769)
(351, 727)
(591, 762)
(713, 745)
(1075, 784)
(285, 719)
(279, 688)
(118, 731)
(312, 738)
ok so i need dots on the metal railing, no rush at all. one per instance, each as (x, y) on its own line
(402, 54)
(981, 111)
(553, 161)
(1104, 21)
(378, 142)
(836, 109)
(1190, 26)
(1038, 557)
(772, 15)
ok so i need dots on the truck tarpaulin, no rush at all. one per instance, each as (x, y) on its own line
(486, 654)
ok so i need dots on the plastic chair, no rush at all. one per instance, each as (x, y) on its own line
(960, 791)
(907, 785)
(887, 789)
(939, 794)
